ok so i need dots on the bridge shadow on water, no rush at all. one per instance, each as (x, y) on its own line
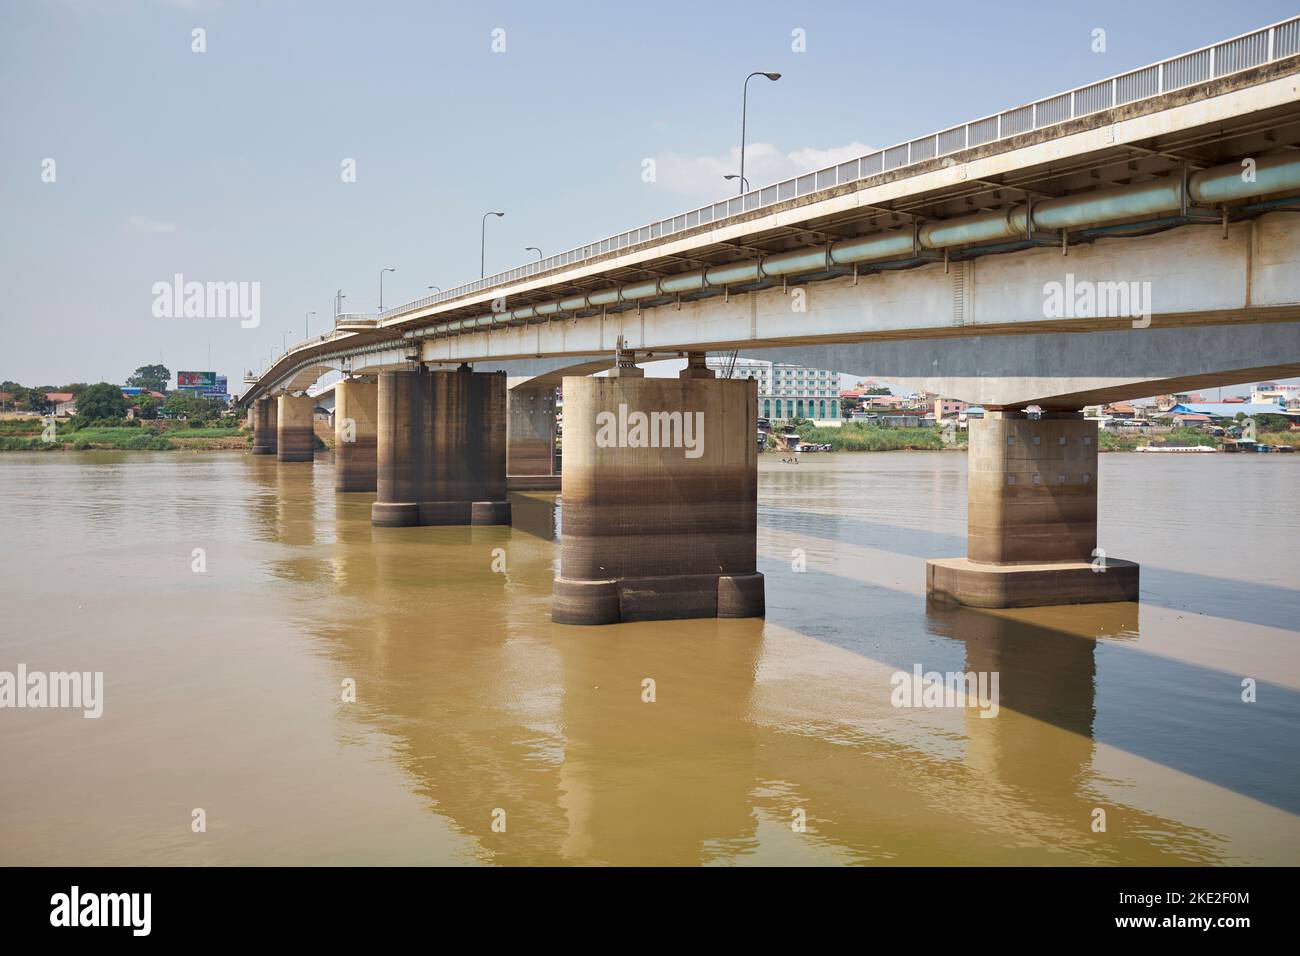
(486, 704)
(1091, 679)
(1247, 601)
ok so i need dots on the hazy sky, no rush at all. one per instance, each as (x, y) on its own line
(225, 165)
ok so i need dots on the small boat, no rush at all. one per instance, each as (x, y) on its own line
(1175, 449)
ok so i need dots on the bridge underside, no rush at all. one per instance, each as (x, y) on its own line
(1204, 310)
(1068, 370)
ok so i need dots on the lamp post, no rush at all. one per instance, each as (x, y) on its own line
(536, 250)
(338, 303)
(482, 242)
(434, 288)
(306, 328)
(744, 108)
(381, 286)
(744, 183)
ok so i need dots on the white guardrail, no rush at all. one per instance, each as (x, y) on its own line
(1221, 59)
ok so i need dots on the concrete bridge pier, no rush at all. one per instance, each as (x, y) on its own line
(264, 413)
(467, 453)
(356, 421)
(403, 410)
(659, 488)
(1032, 519)
(295, 437)
(441, 451)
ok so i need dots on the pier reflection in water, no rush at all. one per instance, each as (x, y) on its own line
(225, 690)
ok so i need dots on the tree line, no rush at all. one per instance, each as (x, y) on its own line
(104, 402)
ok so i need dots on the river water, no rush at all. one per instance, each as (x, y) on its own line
(483, 733)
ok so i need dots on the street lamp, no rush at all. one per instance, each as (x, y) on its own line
(284, 347)
(306, 333)
(338, 303)
(744, 107)
(434, 288)
(482, 243)
(744, 183)
(381, 286)
(534, 249)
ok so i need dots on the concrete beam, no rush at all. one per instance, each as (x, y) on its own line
(1187, 276)
(1068, 370)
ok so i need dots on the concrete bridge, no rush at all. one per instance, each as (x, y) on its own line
(1127, 238)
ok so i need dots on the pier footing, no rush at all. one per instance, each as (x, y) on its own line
(660, 501)
(1031, 519)
(264, 413)
(295, 434)
(441, 457)
(356, 420)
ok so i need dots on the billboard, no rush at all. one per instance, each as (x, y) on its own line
(203, 380)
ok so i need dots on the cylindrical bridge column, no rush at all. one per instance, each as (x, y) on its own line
(467, 454)
(295, 437)
(264, 412)
(356, 420)
(659, 489)
(1032, 518)
(441, 449)
(403, 416)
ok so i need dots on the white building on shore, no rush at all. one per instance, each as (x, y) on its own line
(787, 391)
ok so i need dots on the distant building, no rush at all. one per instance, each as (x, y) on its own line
(1267, 393)
(65, 404)
(884, 402)
(787, 391)
(1227, 409)
(947, 407)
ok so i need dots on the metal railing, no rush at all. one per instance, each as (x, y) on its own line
(1211, 62)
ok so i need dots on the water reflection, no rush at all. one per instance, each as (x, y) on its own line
(470, 700)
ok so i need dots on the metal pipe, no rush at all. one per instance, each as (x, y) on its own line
(981, 227)
(1271, 174)
(1103, 205)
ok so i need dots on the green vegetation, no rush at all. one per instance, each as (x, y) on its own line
(154, 378)
(194, 408)
(126, 439)
(859, 436)
(1109, 441)
(216, 431)
(100, 401)
(26, 434)
(1268, 423)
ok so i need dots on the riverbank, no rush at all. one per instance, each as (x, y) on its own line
(854, 436)
(1109, 441)
(29, 435)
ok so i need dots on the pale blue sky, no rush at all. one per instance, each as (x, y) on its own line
(225, 165)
